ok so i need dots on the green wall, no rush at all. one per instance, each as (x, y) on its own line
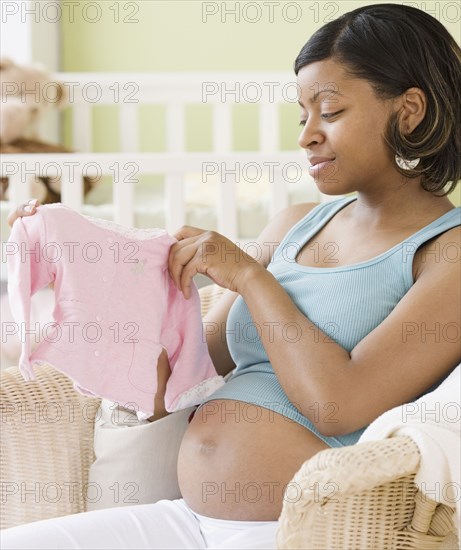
(173, 36)
(186, 35)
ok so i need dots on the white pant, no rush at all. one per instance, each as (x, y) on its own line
(166, 524)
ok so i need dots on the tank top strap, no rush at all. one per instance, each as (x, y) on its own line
(307, 226)
(451, 251)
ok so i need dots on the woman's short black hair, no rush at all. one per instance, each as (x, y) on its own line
(395, 47)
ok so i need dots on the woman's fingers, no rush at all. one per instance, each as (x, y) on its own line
(205, 252)
(183, 251)
(185, 278)
(187, 231)
(181, 254)
(25, 209)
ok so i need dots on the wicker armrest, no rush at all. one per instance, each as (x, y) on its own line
(46, 446)
(362, 496)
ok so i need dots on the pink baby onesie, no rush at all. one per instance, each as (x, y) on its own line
(116, 308)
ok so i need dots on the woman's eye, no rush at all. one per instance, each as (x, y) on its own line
(324, 116)
(330, 115)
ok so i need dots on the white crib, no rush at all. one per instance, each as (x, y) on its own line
(233, 192)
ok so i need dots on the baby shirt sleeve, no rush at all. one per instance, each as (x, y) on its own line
(193, 375)
(27, 273)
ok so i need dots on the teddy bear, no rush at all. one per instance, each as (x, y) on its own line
(28, 92)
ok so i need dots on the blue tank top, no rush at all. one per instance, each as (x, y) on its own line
(345, 302)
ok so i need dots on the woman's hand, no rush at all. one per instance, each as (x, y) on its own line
(163, 374)
(24, 209)
(212, 254)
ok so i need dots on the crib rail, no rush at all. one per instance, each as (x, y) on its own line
(266, 90)
(174, 92)
(126, 168)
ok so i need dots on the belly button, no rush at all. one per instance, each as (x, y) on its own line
(207, 446)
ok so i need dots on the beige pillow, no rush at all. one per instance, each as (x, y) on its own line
(135, 459)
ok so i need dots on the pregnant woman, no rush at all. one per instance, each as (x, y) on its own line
(325, 324)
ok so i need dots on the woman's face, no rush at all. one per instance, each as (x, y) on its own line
(345, 124)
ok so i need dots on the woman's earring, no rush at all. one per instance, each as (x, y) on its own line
(405, 164)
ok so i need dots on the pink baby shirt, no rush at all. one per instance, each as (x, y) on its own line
(116, 307)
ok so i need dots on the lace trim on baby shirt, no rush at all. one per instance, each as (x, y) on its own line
(192, 396)
(130, 232)
(195, 395)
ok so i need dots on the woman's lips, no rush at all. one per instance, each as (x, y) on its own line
(320, 166)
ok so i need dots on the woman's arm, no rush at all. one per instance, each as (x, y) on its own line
(264, 247)
(384, 370)
(412, 349)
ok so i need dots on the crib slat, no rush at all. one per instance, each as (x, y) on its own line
(269, 143)
(123, 191)
(222, 142)
(174, 201)
(227, 209)
(128, 128)
(19, 191)
(82, 139)
(278, 194)
(123, 196)
(175, 215)
(175, 138)
(268, 128)
(222, 127)
(72, 191)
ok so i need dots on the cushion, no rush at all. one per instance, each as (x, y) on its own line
(135, 459)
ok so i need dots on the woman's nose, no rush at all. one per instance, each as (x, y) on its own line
(309, 135)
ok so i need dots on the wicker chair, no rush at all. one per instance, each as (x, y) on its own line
(362, 496)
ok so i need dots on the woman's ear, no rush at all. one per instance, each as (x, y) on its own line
(413, 109)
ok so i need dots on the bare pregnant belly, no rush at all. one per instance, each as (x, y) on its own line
(236, 459)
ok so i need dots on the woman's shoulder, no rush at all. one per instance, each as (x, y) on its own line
(290, 216)
(442, 250)
(274, 232)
